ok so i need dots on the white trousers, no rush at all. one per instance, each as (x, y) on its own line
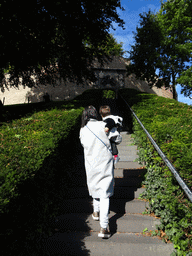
(102, 205)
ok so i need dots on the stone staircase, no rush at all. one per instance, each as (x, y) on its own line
(77, 232)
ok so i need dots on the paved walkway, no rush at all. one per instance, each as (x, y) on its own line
(78, 232)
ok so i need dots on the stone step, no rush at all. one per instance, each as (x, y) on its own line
(78, 232)
(125, 206)
(126, 134)
(127, 138)
(127, 153)
(122, 146)
(119, 192)
(127, 157)
(85, 205)
(119, 244)
(127, 143)
(128, 182)
(128, 173)
(127, 165)
(123, 223)
(127, 149)
(122, 179)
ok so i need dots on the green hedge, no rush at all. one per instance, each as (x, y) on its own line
(36, 140)
(25, 145)
(170, 124)
(32, 161)
(108, 94)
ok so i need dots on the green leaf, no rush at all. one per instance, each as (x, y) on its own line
(28, 119)
(18, 135)
(144, 230)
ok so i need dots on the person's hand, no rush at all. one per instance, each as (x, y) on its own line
(106, 129)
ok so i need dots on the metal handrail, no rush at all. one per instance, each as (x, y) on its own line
(165, 159)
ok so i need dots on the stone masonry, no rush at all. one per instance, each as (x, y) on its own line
(111, 75)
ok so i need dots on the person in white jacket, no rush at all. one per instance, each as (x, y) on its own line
(98, 165)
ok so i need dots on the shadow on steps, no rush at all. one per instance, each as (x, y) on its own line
(70, 231)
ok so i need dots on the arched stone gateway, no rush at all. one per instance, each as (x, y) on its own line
(111, 76)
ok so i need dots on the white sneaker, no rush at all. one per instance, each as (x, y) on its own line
(104, 233)
(95, 215)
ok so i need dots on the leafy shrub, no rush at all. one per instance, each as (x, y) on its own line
(170, 124)
(27, 142)
(108, 94)
(33, 164)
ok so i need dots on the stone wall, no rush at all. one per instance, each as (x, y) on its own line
(107, 77)
(58, 92)
(131, 82)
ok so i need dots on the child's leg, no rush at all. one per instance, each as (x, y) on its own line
(114, 148)
(104, 210)
(115, 152)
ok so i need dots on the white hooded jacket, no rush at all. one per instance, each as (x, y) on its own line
(98, 159)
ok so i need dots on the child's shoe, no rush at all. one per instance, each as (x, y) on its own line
(116, 159)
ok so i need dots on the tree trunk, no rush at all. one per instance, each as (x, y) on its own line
(174, 92)
(173, 86)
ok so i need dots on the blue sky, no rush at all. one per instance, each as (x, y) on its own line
(131, 18)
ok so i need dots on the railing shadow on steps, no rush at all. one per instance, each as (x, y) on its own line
(123, 195)
(79, 192)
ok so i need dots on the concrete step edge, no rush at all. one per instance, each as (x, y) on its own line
(118, 244)
(119, 206)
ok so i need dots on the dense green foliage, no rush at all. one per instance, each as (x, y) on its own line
(34, 151)
(27, 142)
(170, 124)
(186, 81)
(32, 164)
(163, 44)
(110, 47)
(39, 33)
(108, 94)
(34, 172)
(176, 49)
(146, 49)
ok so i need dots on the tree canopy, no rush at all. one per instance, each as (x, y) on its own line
(144, 53)
(186, 82)
(164, 43)
(176, 21)
(110, 47)
(47, 38)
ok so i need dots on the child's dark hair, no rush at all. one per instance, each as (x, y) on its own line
(104, 111)
(89, 112)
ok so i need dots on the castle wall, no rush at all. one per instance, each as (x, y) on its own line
(133, 83)
(58, 92)
(106, 78)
